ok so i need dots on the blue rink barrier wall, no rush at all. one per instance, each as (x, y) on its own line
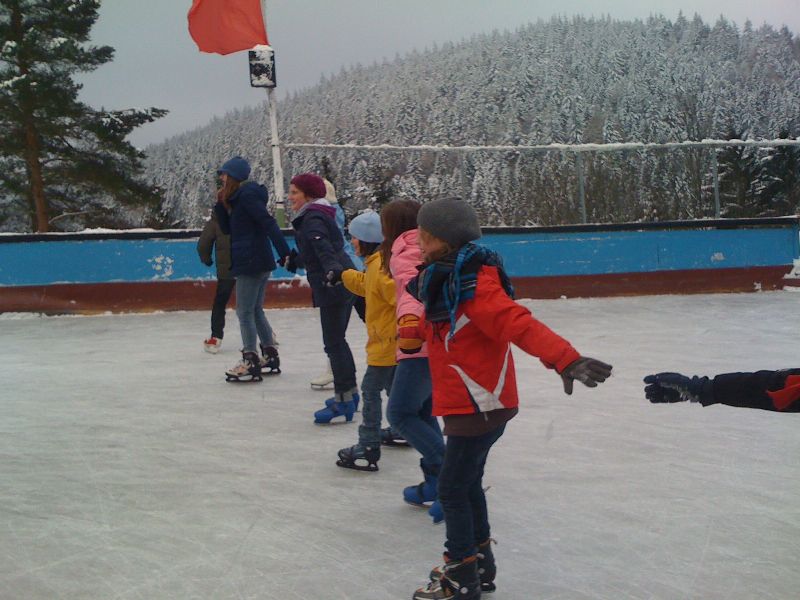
(138, 270)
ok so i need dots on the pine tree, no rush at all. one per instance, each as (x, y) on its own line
(57, 155)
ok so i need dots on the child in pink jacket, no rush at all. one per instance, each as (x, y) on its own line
(410, 401)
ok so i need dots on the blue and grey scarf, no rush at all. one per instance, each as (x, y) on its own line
(445, 284)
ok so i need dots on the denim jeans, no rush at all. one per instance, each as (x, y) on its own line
(461, 492)
(253, 322)
(409, 410)
(334, 320)
(221, 297)
(376, 380)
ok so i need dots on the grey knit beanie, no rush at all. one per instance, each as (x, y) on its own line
(451, 220)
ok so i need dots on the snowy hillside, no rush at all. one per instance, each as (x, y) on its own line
(565, 80)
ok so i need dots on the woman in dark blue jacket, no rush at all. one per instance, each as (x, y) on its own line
(242, 214)
(320, 251)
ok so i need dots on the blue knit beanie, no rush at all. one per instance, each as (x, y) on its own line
(236, 167)
(366, 227)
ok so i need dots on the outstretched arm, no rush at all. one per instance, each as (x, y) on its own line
(499, 316)
(766, 390)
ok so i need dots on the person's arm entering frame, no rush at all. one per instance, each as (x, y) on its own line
(765, 390)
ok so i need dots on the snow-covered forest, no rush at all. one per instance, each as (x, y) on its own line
(560, 81)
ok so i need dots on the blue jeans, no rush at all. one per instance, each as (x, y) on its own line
(376, 380)
(409, 410)
(461, 492)
(334, 320)
(253, 322)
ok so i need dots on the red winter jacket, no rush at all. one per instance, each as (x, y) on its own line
(474, 370)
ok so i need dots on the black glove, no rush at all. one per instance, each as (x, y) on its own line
(290, 262)
(674, 387)
(589, 371)
(333, 278)
(209, 263)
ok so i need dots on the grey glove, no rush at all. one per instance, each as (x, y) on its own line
(589, 371)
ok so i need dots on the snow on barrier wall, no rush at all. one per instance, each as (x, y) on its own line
(148, 270)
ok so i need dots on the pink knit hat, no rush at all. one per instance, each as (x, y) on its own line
(310, 184)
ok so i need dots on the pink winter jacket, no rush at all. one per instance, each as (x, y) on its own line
(406, 256)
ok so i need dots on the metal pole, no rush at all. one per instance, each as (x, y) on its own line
(277, 168)
(581, 186)
(715, 174)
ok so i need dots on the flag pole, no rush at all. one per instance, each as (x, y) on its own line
(277, 168)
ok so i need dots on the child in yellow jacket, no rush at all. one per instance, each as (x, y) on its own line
(378, 289)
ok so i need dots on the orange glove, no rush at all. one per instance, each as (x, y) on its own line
(409, 338)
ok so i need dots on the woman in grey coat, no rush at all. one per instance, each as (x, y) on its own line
(214, 242)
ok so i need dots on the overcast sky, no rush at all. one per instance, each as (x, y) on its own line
(157, 63)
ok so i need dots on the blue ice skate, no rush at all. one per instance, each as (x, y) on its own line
(334, 411)
(425, 492)
(356, 399)
(436, 512)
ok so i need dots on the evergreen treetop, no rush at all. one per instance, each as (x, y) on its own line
(66, 162)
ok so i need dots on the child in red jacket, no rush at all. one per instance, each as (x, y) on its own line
(471, 320)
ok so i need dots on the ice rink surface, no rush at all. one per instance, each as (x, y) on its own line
(130, 469)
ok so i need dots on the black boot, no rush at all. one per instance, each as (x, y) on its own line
(487, 569)
(270, 361)
(360, 458)
(459, 580)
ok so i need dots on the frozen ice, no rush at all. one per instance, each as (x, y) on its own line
(130, 469)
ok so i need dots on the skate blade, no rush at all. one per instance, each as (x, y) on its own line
(334, 421)
(234, 379)
(417, 505)
(355, 466)
(322, 388)
(271, 372)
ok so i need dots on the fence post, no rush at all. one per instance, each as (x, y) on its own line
(715, 174)
(581, 185)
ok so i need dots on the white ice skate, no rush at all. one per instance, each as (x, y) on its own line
(323, 381)
(212, 345)
(246, 370)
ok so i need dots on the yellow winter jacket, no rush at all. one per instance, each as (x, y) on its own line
(379, 293)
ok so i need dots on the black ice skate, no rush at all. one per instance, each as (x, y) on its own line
(487, 569)
(459, 579)
(360, 458)
(270, 361)
(390, 438)
(246, 370)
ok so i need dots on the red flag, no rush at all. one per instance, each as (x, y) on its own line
(226, 26)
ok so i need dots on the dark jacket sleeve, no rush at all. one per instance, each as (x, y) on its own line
(223, 218)
(767, 390)
(205, 245)
(267, 223)
(318, 236)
